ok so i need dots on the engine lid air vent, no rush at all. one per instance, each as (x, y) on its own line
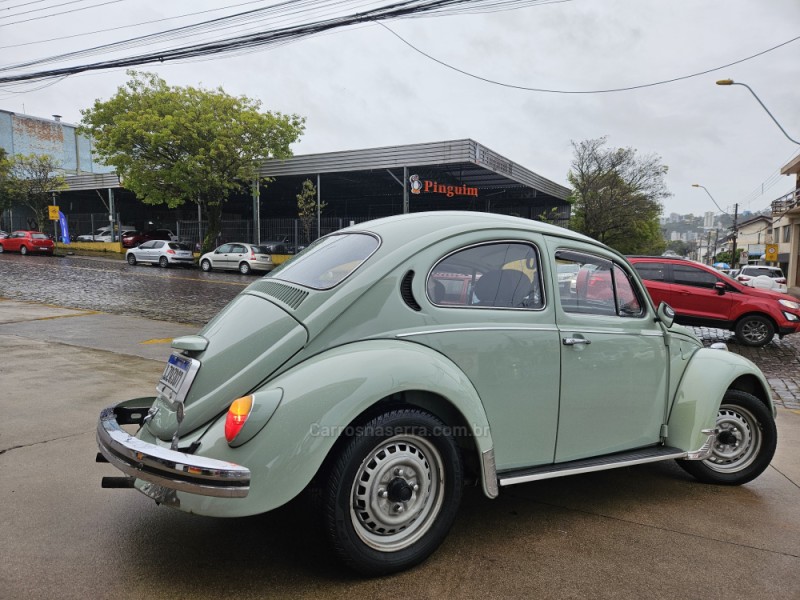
(291, 296)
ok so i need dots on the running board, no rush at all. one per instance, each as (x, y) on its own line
(588, 465)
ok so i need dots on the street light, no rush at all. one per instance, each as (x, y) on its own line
(732, 82)
(735, 218)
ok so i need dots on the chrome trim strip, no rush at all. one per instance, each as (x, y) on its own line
(489, 474)
(169, 468)
(461, 329)
(513, 480)
(707, 448)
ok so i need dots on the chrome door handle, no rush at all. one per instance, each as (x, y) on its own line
(575, 341)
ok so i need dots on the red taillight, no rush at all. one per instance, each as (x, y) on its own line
(252, 254)
(170, 251)
(237, 417)
(780, 280)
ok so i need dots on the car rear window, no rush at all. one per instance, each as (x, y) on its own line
(177, 246)
(756, 271)
(328, 261)
(38, 236)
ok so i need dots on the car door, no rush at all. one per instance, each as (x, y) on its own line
(694, 295)
(219, 259)
(236, 255)
(613, 359)
(500, 332)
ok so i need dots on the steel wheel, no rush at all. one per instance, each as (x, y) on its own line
(23, 250)
(746, 437)
(738, 442)
(755, 330)
(392, 491)
(163, 262)
(206, 265)
(397, 493)
(244, 268)
(131, 259)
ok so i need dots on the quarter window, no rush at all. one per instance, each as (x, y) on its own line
(499, 275)
(650, 271)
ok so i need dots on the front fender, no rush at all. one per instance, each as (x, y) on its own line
(321, 399)
(709, 374)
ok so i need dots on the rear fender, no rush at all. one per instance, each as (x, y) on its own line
(708, 376)
(321, 401)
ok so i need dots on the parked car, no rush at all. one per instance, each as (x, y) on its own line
(27, 242)
(131, 239)
(774, 277)
(104, 234)
(342, 373)
(238, 256)
(3, 235)
(702, 296)
(162, 253)
(160, 234)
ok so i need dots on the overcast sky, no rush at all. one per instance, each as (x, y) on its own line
(363, 87)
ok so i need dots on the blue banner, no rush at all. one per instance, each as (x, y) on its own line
(62, 220)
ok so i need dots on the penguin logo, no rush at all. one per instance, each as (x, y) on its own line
(416, 184)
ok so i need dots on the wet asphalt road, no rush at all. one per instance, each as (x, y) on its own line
(113, 286)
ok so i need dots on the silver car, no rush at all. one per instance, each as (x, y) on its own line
(162, 253)
(238, 256)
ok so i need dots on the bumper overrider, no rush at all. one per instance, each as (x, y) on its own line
(170, 469)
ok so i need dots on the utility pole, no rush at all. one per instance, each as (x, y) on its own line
(735, 234)
(708, 248)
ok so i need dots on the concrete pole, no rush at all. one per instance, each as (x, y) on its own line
(319, 209)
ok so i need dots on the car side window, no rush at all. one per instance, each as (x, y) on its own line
(237, 249)
(596, 286)
(650, 271)
(494, 275)
(688, 275)
(224, 249)
(146, 246)
(158, 244)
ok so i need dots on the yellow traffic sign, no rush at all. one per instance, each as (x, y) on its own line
(53, 213)
(771, 253)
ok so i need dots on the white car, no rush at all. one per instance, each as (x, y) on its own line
(161, 252)
(103, 234)
(238, 256)
(768, 277)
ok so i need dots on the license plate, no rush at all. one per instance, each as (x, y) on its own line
(177, 377)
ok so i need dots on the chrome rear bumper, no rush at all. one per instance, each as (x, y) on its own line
(167, 468)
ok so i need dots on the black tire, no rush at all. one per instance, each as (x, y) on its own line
(2, 249)
(206, 265)
(754, 330)
(745, 443)
(244, 268)
(392, 492)
(131, 259)
(23, 250)
(163, 262)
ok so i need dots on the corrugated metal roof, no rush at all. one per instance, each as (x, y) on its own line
(477, 164)
(92, 181)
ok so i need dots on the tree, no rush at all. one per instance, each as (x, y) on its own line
(172, 145)
(6, 197)
(616, 196)
(34, 178)
(307, 207)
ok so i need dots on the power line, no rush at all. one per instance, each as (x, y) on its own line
(401, 9)
(603, 91)
(64, 12)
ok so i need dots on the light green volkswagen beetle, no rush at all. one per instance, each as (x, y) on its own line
(391, 361)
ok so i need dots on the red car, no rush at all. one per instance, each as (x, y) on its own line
(24, 242)
(702, 296)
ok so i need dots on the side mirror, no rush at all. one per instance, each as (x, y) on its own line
(720, 287)
(666, 314)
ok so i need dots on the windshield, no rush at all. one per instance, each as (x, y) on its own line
(328, 261)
